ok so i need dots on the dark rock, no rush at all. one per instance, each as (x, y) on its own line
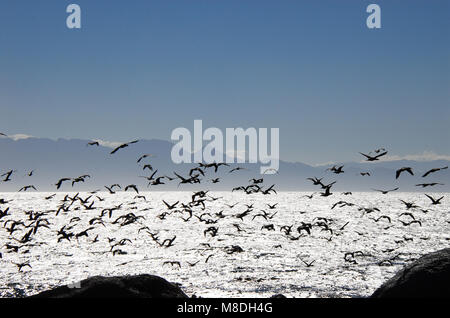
(140, 286)
(278, 296)
(427, 277)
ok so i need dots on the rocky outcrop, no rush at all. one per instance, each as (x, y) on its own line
(140, 286)
(427, 277)
(278, 296)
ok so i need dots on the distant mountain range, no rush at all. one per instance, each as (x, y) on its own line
(54, 159)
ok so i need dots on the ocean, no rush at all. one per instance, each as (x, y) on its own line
(349, 250)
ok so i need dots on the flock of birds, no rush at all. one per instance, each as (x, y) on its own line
(23, 230)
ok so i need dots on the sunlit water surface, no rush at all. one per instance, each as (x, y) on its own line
(270, 263)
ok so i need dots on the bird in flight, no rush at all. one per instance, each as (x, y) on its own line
(132, 186)
(433, 200)
(433, 171)
(336, 170)
(7, 175)
(157, 181)
(327, 191)
(424, 185)
(236, 169)
(315, 180)
(123, 146)
(148, 166)
(385, 191)
(143, 157)
(152, 177)
(409, 205)
(308, 264)
(410, 223)
(110, 189)
(22, 265)
(399, 171)
(171, 206)
(374, 158)
(93, 143)
(59, 183)
(26, 188)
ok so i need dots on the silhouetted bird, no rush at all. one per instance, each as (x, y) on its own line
(385, 191)
(399, 171)
(374, 158)
(433, 200)
(433, 170)
(123, 146)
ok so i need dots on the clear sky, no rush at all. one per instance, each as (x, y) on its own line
(139, 69)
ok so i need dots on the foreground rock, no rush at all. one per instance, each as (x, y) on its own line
(427, 277)
(279, 296)
(141, 286)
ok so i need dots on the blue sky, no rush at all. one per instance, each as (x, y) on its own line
(139, 69)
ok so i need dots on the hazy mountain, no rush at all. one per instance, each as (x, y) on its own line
(54, 159)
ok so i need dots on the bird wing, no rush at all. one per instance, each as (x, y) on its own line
(115, 150)
(367, 156)
(381, 154)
